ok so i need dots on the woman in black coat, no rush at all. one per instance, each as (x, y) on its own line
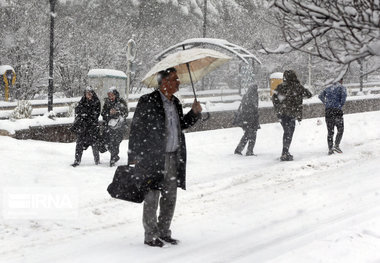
(114, 113)
(86, 125)
(250, 118)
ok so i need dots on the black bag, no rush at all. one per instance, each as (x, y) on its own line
(128, 186)
(101, 141)
(238, 120)
(78, 125)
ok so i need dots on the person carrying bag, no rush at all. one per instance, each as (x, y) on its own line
(115, 112)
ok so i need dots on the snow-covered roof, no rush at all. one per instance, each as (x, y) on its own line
(4, 68)
(239, 51)
(277, 75)
(106, 73)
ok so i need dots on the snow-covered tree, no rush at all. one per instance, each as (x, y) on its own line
(339, 31)
(22, 44)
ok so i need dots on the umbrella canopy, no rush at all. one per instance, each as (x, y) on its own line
(200, 61)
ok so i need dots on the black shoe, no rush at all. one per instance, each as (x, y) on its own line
(237, 152)
(286, 157)
(331, 151)
(154, 243)
(114, 160)
(75, 164)
(250, 154)
(170, 240)
(337, 149)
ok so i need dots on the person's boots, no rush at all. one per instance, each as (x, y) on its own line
(77, 160)
(237, 152)
(75, 164)
(337, 149)
(250, 149)
(239, 149)
(78, 156)
(286, 156)
(154, 243)
(114, 160)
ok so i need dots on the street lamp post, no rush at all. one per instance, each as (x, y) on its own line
(361, 72)
(204, 31)
(204, 18)
(51, 56)
(309, 66)
(131, 54)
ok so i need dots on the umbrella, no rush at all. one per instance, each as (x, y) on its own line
(191, 65)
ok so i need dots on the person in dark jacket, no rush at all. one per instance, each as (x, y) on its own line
(86, 125)
(250, 117)
(334, 97)
(158, 150)
(287, 100)
(114, 113)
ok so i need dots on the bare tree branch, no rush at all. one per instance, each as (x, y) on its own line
(339, 31)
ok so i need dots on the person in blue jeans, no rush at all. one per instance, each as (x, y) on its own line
(334, 97)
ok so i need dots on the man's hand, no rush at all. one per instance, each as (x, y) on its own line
(113, 111)
(196, 107)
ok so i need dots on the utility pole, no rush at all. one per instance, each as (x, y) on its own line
(310, 65)
(309, 71)
(361, 72)
(51, 56)
(204, 18)
(204, 30)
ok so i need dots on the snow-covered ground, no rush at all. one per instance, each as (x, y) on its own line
(318, 208)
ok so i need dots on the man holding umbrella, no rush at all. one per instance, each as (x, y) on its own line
(157, 148)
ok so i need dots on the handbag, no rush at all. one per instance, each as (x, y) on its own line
(78, 125)
(128, 186)
(238, 120)
(116, 123)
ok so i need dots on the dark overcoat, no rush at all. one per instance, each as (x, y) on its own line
(288, 98)
(249, 110)
(86, 124)
(121, 107)
(147, 139)
(119, 104)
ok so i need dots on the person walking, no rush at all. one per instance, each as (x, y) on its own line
(158, 151)
(250, 117)
(114, 113)
(334, 97)
(287, 100)
(86, 125)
